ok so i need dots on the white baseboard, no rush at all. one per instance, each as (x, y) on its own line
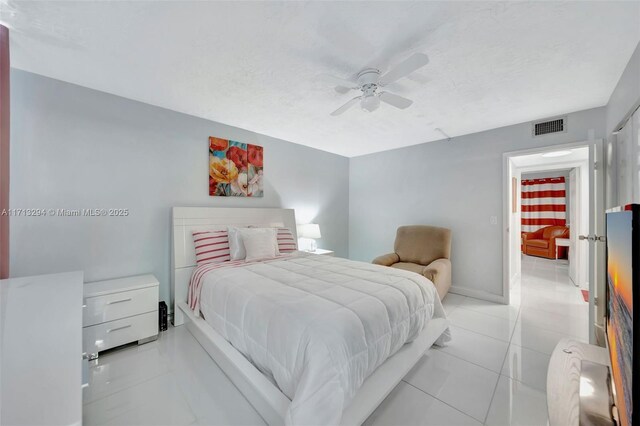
(477, 294)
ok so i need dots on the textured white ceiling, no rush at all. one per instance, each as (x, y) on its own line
(253, 64)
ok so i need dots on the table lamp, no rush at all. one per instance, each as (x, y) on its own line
(310, 231)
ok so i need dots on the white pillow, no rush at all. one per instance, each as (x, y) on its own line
(259, 243)
(236, 247)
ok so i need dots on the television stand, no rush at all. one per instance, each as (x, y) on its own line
(563, 384)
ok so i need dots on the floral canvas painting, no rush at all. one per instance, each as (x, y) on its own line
(235, 168)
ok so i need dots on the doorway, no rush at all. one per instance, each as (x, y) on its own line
(554, 196)
(550, 269)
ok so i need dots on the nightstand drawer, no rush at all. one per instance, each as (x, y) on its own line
(108, 335)
(124, 304)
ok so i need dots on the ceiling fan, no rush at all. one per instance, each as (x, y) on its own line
(369, 81)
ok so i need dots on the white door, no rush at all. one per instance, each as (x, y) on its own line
(574, 226)
(595, 240)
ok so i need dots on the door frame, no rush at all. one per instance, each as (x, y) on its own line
(506, 209)
(582, 167)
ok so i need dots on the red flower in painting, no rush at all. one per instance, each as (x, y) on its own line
(217, 144)
(238, 156)
(255, 155)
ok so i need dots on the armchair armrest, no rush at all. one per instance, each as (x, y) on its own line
(532, 235)
(552, 243)
(440, 267)
(387, 259)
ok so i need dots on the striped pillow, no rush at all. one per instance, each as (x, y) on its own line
(211, 247)
(286, 242)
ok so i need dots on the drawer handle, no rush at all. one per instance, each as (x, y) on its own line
(118, 301)
(118, 328)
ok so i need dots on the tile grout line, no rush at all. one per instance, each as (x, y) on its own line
(126, 387)
(531, 349)
(523, 383)
(489, 315)
(445, 403)
(482, 334)
(495, 389)
(473, 363)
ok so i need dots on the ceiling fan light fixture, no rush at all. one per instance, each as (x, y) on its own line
(370, 103)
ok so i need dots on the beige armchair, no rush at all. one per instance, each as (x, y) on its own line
(425, 250)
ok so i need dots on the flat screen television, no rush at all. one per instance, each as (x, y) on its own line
(623, 292)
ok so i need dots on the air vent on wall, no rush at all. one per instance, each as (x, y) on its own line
(555, 125)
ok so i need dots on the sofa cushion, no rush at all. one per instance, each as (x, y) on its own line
(422, 244)
(538, 243)
(413, 267)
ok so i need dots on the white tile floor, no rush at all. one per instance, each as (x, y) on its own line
(493, 371)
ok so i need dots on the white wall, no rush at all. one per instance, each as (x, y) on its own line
(456, 184)
(73, 147)
(626, 94)
(627, 162)
(623, 150)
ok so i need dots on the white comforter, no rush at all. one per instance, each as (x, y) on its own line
(317, 326)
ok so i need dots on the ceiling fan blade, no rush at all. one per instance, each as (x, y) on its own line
(395, 100)
(346, 106)
(419, 78)
(342, 84)
(404, 68)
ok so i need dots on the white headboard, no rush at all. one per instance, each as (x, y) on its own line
(185, 220)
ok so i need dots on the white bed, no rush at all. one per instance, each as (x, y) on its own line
(406, 302)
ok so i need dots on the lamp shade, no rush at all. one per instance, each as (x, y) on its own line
(310, 230)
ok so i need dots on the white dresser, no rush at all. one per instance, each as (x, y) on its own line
(41, 350)
(120, 311)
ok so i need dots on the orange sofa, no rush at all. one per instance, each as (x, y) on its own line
(542, 242)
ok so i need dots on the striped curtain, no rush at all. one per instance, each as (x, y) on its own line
(543, 203)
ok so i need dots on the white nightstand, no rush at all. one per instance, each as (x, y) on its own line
(120, 311)
(323, 252)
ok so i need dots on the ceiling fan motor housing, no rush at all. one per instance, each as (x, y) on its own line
(368, 76)
(368, 82)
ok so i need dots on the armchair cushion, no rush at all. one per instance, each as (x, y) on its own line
(413, 267)
(538, 243)
(387, 259)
